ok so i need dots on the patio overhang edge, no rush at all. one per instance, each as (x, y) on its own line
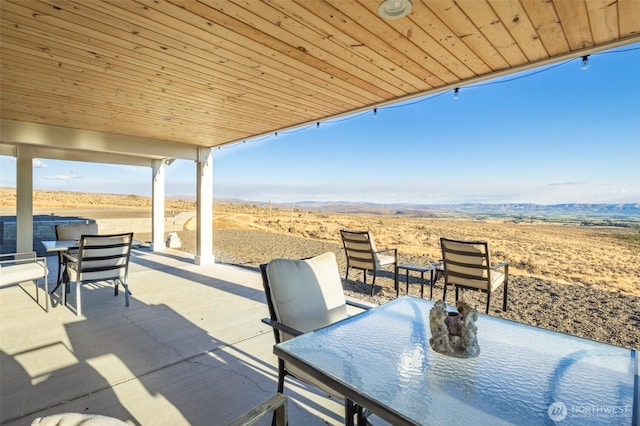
(66, 143)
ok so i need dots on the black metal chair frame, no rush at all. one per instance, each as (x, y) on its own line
(365, 255)
(351, 409)
(450, 276)
(62, 259)
(85, 259)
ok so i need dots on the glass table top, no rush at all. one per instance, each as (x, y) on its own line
(523, 374)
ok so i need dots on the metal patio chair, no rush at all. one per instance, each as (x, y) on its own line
(100, 258)
(467, 265)
(16, 268)
(360, 249)
(303, 296)
(70, 232)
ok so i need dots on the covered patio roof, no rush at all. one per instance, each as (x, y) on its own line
(144, 82)
(206, 73)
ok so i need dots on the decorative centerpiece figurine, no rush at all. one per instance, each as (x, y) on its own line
(454, 333)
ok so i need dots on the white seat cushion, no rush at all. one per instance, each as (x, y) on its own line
(497, 279)
(29, 271)
(384, 259)
(307, 294)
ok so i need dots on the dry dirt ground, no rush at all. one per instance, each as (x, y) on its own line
(587, 311)
(580, 280)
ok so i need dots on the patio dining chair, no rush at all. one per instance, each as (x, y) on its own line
(16, 268)
(467, 265)
(70, 232)
(360, 249)
(100, 258)
(303, 296)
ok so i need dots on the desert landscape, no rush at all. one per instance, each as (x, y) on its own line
(583, 280)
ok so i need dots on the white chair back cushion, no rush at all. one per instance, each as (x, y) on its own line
(307, 294)
(75, 231)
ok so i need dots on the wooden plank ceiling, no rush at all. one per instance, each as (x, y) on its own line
(210, 72)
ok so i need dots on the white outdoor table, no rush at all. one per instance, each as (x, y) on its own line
(60, 245)
(55, 246)
(381, 360)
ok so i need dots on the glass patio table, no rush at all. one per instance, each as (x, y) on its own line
(381, 360)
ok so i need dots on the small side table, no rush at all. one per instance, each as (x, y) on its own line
(434, 269)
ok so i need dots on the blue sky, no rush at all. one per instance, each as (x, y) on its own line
(562, 135)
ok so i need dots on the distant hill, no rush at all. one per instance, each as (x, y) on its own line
(573, 209)
(627, 209)
(628, 212)
(590, 214)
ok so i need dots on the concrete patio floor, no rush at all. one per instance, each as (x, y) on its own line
(190, 349)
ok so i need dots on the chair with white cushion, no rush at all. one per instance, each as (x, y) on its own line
(303, 296)
(360, 249)
(467, 265)
(16, 268)
(71, 232)
(100, 258)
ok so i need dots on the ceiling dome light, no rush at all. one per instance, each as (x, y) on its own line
(394, 9)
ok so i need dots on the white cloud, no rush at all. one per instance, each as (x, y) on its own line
(64, 177)
(39, 164)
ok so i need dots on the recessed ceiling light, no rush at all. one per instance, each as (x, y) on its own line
(394, 9)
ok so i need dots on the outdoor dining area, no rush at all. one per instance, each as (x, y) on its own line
(189, 349)
(115, 332)
(195, 343)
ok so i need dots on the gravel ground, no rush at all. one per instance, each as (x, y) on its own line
(590, 312)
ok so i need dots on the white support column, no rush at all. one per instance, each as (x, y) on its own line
(157, 206)
(204, 239)
(24, 199)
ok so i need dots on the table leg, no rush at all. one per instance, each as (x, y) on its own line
(407, 289)
(59, 279)
(64, 277)
(421, 284)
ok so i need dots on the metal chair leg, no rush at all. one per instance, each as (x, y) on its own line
(360, 417)
(504, 298)
(349, 412)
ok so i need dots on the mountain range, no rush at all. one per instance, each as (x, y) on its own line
(574, 210)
